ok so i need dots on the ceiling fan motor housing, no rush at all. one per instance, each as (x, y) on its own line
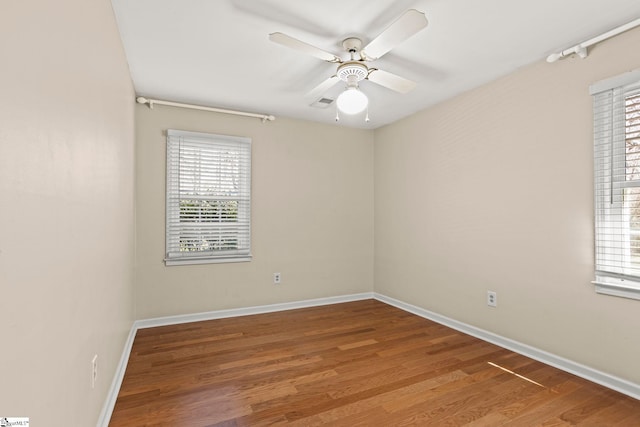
(352, 72)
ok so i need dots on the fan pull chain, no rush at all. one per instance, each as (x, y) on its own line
(366, 118)
(337, 114)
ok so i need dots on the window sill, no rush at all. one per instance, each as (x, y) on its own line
(617, 287)
(192, 261)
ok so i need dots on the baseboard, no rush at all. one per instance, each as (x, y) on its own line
(114, 389)
(260, 309)
(594, 375)
(107, 409)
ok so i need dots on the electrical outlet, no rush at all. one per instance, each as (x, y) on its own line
(276, 278)
(94, 370)
(492, 299)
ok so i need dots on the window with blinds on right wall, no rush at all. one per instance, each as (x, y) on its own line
(616, 126)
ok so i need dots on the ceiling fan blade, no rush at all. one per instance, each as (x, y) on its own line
(400, 30)
(319, 90)
(391, 81)
(303, 47)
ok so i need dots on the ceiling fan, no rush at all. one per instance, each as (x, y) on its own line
(355, 69)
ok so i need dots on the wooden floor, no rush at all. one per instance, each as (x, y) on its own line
(361, 363)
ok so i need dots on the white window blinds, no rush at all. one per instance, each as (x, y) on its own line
(617, 185)
(208, 212)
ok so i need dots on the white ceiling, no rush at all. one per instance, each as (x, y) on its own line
(217, 52)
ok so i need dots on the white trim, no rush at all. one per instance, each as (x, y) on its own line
(247, 311)
(112, 395)
(617, 290)
(177, 133)
(598, 377)
(193, 261)
(616, 81)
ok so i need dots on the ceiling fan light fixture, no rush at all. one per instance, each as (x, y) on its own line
(352, 101)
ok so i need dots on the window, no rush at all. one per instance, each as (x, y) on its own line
(616, 107)
(208, 210)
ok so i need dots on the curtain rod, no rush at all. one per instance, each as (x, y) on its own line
(151, 102)
(581, 48)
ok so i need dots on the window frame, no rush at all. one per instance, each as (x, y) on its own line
(210, 146)
(614, 273)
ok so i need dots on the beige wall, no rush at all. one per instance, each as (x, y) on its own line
(66, 216)
(493, 190)
(312, 215)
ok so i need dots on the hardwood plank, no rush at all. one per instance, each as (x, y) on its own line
(360, 363)
(375, 402)
(615, 414)
(357, 344)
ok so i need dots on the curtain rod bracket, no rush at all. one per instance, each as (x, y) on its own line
(581, 48)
